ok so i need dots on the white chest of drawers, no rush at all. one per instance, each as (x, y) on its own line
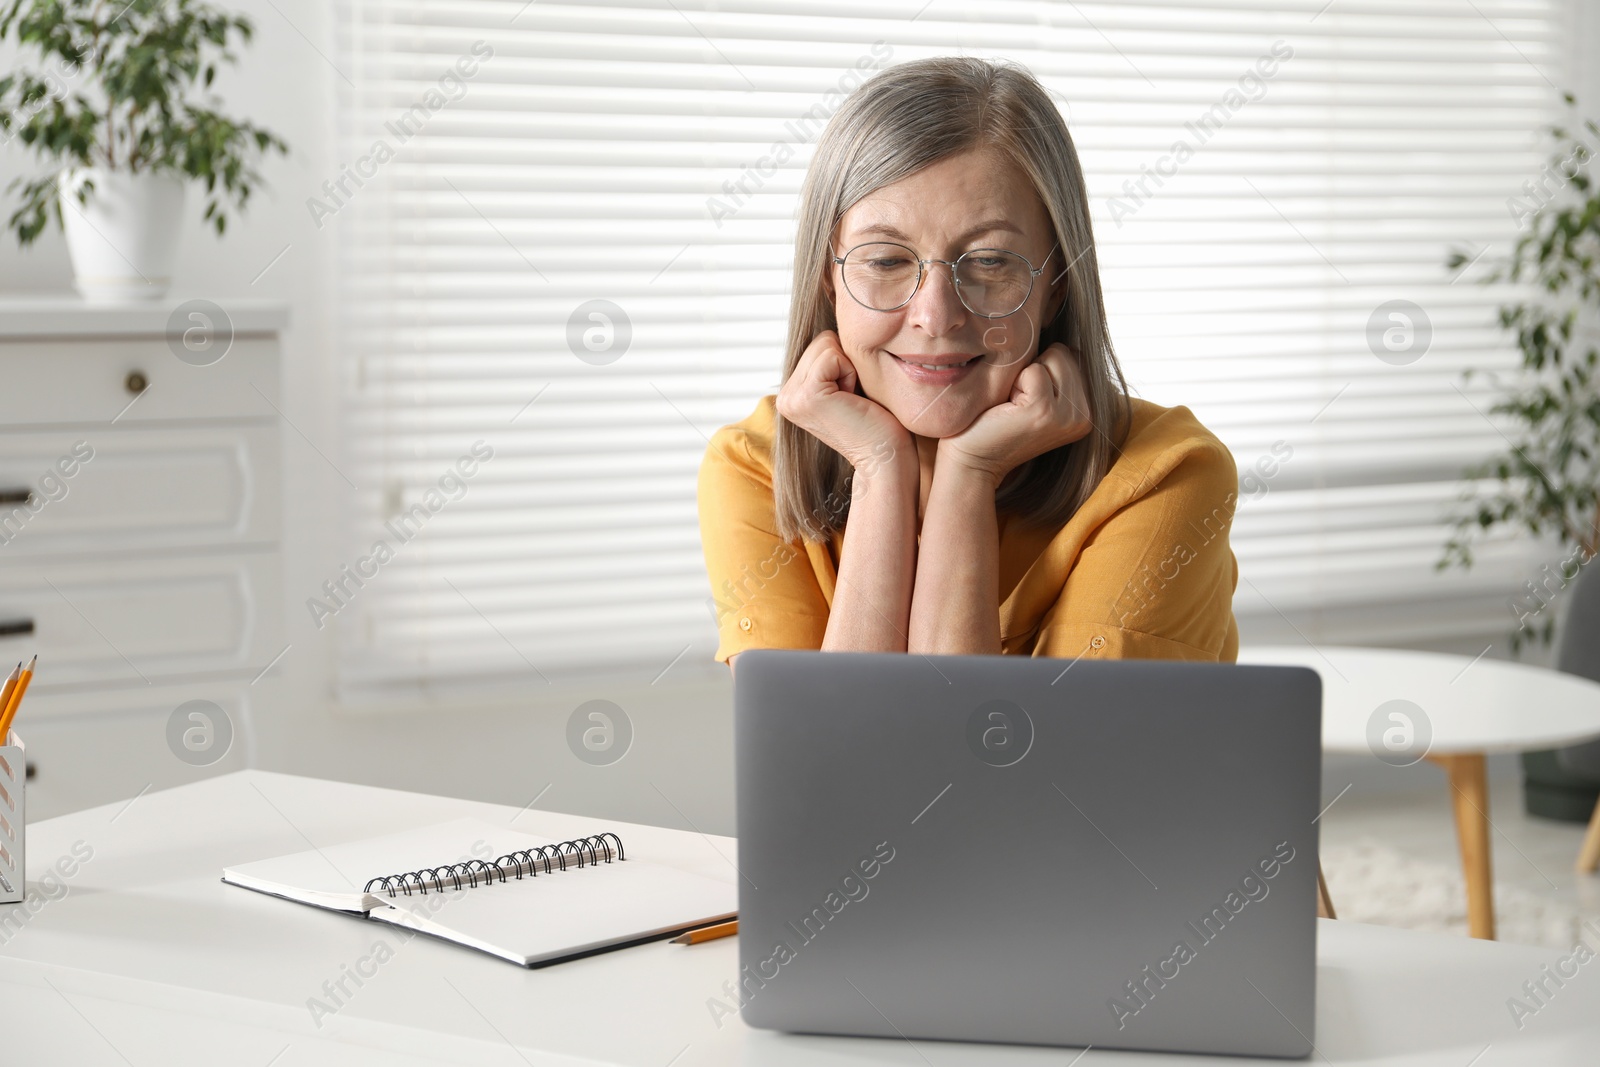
(140, 512)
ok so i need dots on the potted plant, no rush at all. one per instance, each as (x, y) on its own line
(124, 114)
(1547, 481)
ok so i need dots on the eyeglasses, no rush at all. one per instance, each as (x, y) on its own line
(990, 282)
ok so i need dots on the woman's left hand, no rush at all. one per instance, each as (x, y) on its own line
(1049, 407)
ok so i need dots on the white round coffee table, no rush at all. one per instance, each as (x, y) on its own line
(1402, 707)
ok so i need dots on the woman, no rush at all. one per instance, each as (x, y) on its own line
(952, 463)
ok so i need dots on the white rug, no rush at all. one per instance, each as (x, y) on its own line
(1373, 883)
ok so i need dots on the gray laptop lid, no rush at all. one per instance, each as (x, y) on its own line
(999, 848)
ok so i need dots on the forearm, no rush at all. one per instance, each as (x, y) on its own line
(955, 604)
(877, 562)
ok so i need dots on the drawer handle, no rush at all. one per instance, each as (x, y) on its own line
(16, 496)
(136, 382)
(15, 627)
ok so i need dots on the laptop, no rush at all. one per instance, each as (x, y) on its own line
(1012, 849)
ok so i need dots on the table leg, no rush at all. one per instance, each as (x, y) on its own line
(1469, 792)
(1589, 854)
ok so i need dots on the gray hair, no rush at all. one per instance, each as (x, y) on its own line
(901, 120)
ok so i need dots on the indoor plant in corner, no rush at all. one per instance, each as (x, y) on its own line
(1548, 479)
(124, 115)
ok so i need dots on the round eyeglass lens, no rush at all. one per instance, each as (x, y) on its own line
(993, 282)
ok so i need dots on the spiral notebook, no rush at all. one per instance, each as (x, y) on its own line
(502, 891)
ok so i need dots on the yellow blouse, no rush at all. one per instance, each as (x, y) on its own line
(1143, 570)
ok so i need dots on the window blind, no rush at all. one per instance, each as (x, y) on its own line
(565, 235)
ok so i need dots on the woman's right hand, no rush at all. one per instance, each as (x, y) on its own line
(820, 398)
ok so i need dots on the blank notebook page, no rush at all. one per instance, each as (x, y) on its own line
(563, 913)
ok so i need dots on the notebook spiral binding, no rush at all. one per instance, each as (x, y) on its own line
(590, 850)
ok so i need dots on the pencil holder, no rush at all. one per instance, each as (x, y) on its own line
(13, 775)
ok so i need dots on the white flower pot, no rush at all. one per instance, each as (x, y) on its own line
(124, 241)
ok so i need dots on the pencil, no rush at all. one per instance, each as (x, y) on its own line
(16, 698)
(5, 695)
(708, 933)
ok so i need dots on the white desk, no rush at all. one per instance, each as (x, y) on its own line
(1460, 709)
(148, 958)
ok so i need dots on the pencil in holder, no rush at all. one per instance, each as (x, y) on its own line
(13, 775)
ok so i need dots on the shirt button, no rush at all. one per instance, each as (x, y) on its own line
(1097, 642)
(745, 624)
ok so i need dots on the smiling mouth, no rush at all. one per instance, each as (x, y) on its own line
(937, 366)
